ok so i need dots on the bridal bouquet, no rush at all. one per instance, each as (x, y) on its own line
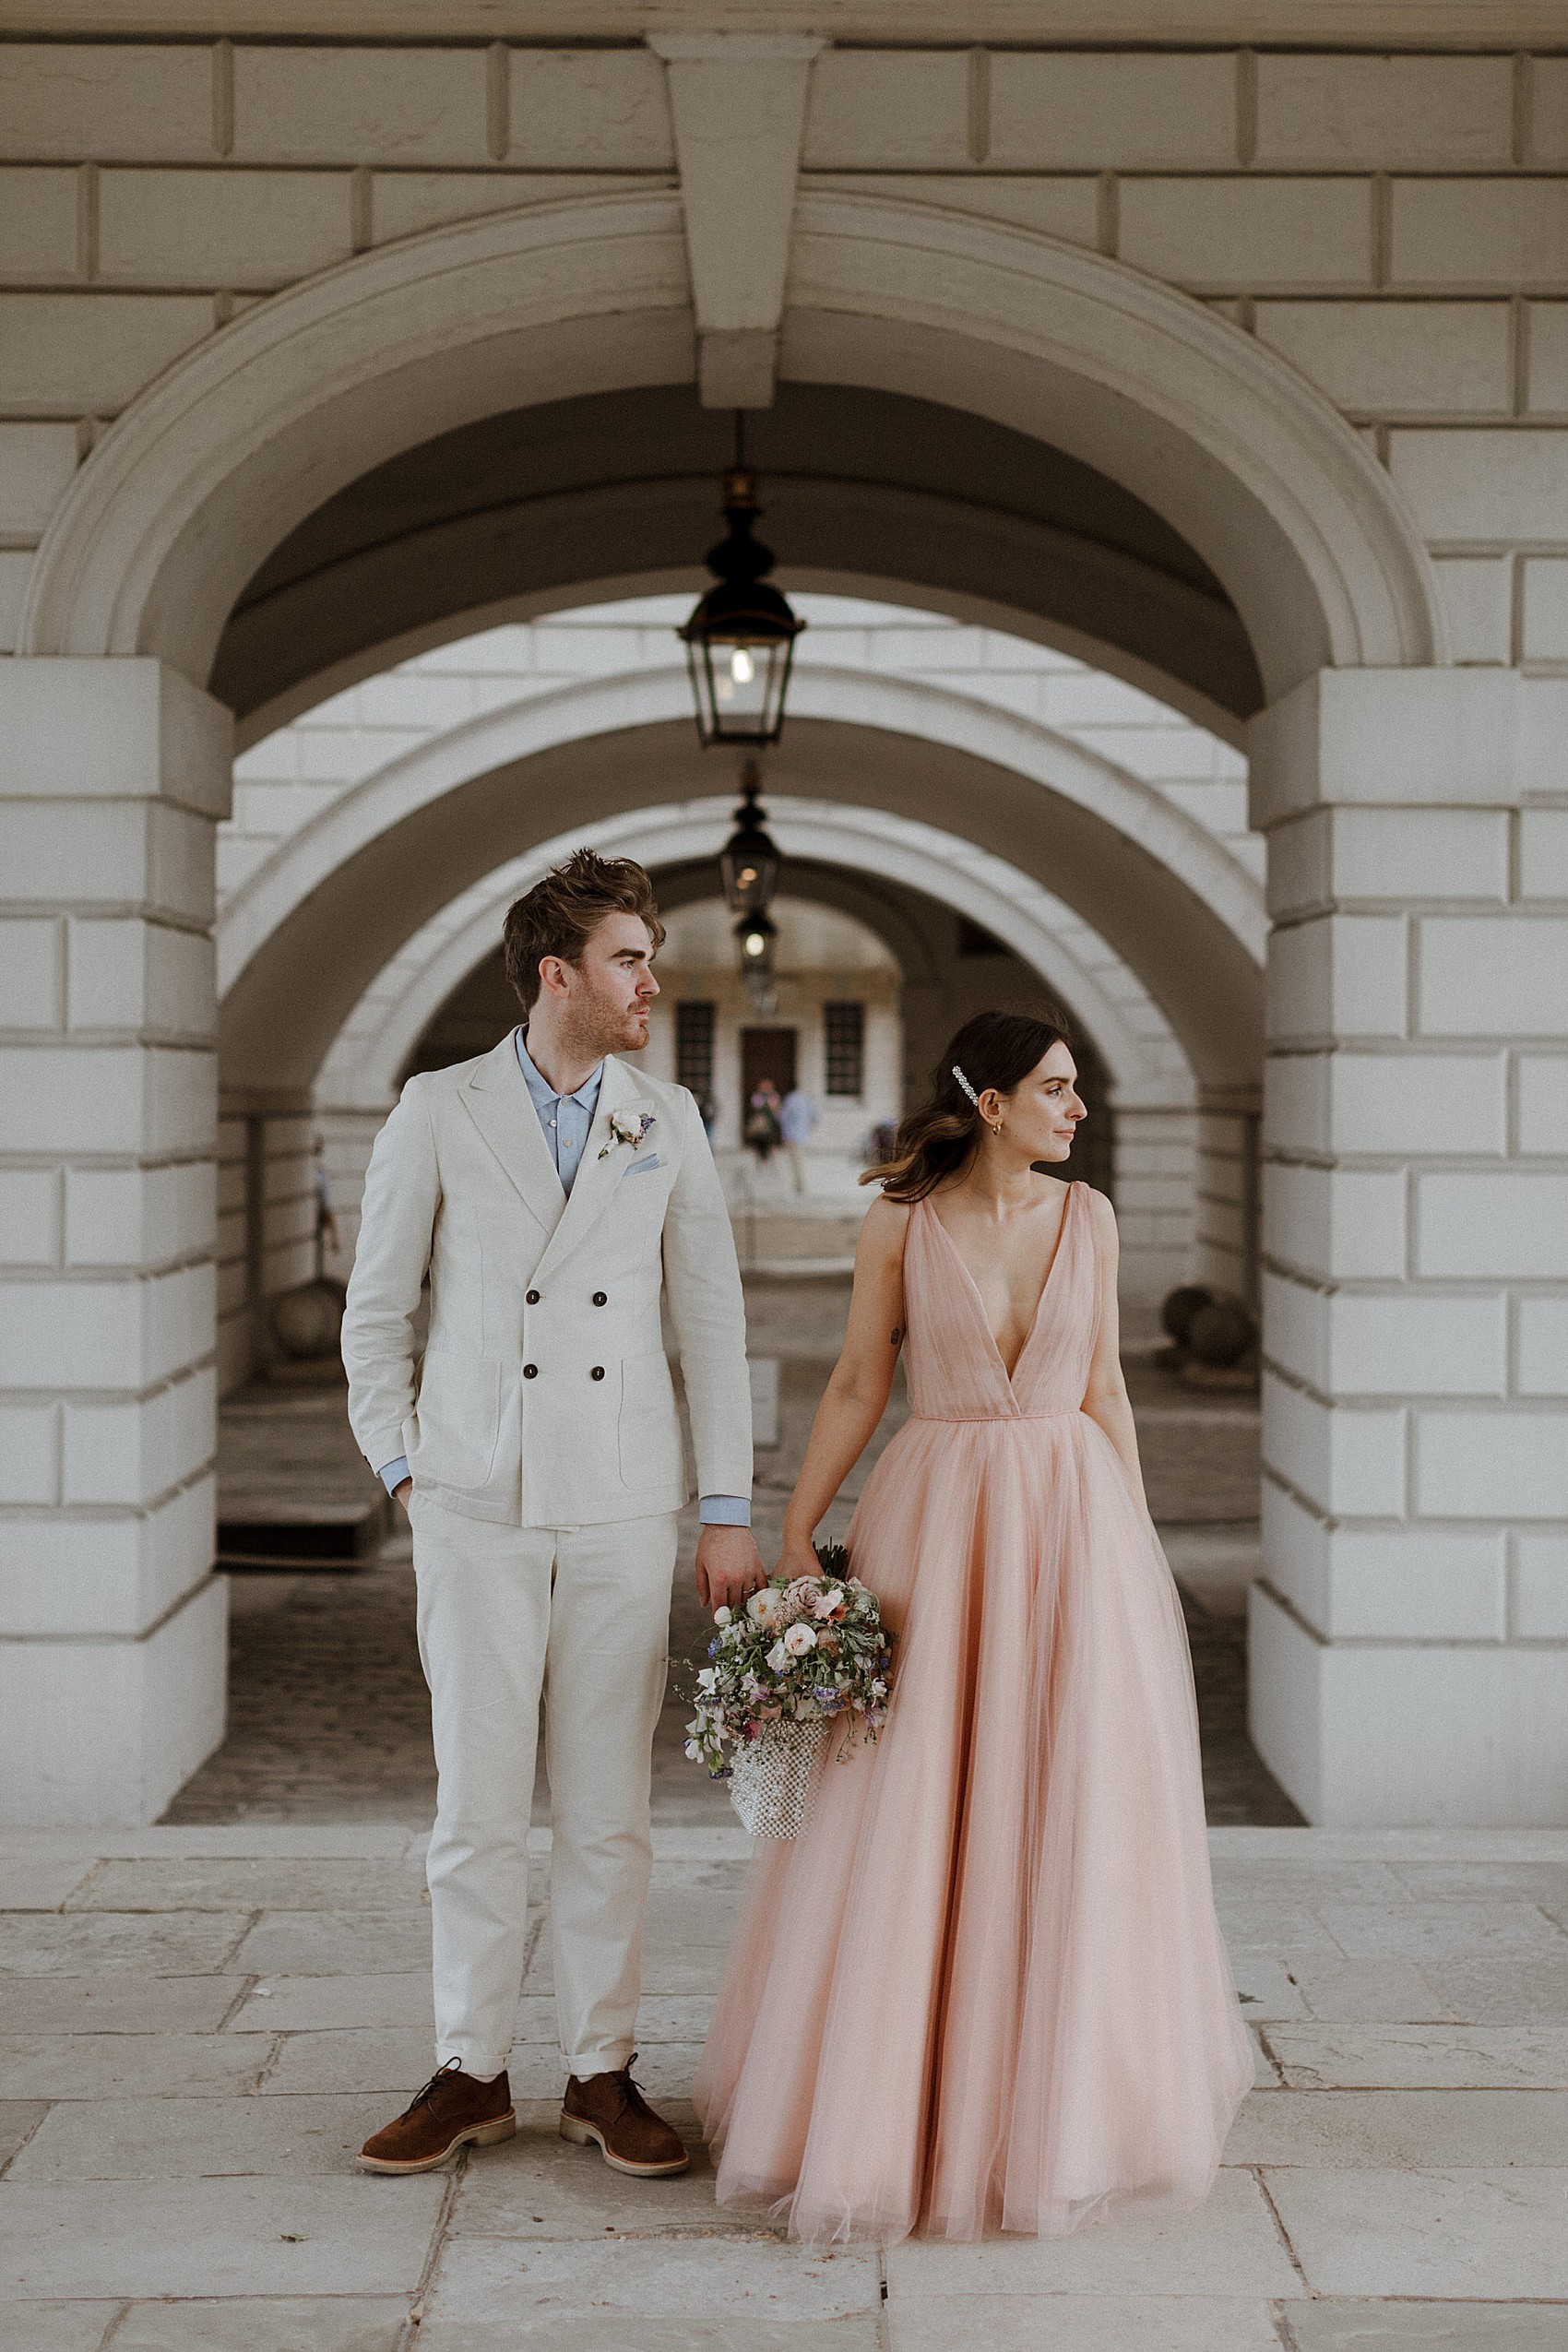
(801, 1658)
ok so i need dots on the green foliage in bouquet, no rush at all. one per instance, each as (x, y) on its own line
(807, 1651)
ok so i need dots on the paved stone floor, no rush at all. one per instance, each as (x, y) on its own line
(201, 2024)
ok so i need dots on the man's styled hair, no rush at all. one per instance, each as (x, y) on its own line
(558, 915)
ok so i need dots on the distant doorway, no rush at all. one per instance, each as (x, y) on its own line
(767, 1053)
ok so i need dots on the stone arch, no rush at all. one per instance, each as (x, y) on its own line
(306, 934)
(200, 478)
(1143, 1059)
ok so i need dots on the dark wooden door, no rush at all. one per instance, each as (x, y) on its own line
(766, 1053)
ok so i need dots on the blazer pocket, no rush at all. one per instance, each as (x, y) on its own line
(648, 1431)
(456, 1420)
(641, 1167)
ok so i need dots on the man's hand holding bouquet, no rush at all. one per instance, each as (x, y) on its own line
(806, 1654)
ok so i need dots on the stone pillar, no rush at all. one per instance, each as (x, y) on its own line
(1155, 1165)
(1226, 1240)
(266, 1216)
(1409, 1636)
(112, 1627)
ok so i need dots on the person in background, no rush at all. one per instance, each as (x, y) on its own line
(762, 1131)
(798, 1117)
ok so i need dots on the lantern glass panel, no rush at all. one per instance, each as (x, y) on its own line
(739, 685)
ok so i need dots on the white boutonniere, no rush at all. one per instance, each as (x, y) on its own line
(626, 1130)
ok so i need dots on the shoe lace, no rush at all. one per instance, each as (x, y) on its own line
(630, 2096)
(425, 2097)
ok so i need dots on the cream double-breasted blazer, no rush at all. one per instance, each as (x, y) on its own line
(542, 1397)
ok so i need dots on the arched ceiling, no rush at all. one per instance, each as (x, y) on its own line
(903, 879)
(620, 488)
(372, 885)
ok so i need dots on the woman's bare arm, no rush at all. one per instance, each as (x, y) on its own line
(858, 1385)
(1105, 1399)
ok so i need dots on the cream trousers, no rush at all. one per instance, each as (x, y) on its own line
(580, 1616)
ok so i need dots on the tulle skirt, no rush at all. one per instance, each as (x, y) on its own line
(985, 1989)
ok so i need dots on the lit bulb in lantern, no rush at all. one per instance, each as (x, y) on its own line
(741, 668)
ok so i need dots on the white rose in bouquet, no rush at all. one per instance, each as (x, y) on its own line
(764, 1607)
(799, 1640)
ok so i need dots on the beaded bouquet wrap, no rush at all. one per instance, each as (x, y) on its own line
(801, 1658)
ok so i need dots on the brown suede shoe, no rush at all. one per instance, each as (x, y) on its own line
(611, 2109)
(450, 2112)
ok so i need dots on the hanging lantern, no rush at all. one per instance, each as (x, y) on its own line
(756, 936)
(749, 861)
(741, 639)
(757, 939)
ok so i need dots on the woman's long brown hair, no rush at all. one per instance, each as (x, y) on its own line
(938, 1138)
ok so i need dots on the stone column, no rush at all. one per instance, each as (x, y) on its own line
(1409, 1636)
(112, 1627)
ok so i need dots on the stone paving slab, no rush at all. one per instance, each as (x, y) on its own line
(104, 2066)
(1368, 1991)
(1229, 2246)
(321, 1944)
(42, 1881)
(54, 2327)
(1524, 1990)
(392, 2062)
(480, 2279)
(1338, 2325)
(1437, 1931)
(615, 2330)
(171, 2139)
(295, 1841)
(538, 2186)
(1267, 1989)
(318, 2005)
(158, 1944)
(1081, 2324)
(19, 2119)
(120, 2003)
(286, 2323)
(354, 2236)
(1543, 1883)
(341, 1884)
(1491, 2234)
(1414, 2128)
(1475, 2058)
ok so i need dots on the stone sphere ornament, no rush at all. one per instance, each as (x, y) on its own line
(305, 1324)
(1222, 1331)
(1180, 1307)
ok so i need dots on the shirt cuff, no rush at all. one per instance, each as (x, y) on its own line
(724, 1510)
(392, 1477)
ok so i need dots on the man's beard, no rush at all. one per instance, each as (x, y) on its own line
(603, 1028)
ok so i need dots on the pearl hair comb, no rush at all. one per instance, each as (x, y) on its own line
(965, 1083)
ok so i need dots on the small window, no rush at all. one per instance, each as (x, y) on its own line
(693, 1045)
(846, 1038)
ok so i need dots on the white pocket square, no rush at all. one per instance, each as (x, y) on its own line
(641, 1167)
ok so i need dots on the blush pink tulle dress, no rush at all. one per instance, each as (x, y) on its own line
(985, 1989)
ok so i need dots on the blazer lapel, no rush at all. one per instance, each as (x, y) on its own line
(501, 1109)
(596, 1178)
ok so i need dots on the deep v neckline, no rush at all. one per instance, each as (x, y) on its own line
(980, 1302)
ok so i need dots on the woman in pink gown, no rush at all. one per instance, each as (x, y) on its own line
(985, 1989)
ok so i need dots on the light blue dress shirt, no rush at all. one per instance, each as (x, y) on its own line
(566, 1120)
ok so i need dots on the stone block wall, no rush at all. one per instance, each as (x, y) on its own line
(1395, 227)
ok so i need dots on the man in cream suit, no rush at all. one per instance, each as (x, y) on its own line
(550, 1194)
